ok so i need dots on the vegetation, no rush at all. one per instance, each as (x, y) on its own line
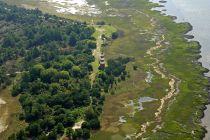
(56, 57)
(54, 87)
(115, 35)
(100, 23)
(138, 34)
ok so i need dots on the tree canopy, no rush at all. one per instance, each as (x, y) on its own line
(53, 56)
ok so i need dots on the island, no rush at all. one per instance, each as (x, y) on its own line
(100, 70)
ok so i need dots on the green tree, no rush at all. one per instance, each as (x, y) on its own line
(52, 135)
(69, 120)
(76, 71)
(63, 75)
(115, 35)
(94, 124)
(34, 129)
(35, 71)
(60, 128)
(69, 133)
(86, 134)
(73, 37)
(67, 64)
(90, 114)
(9, 41)
(54, 88)
(21, 135)
(77, 134)
(48, 75)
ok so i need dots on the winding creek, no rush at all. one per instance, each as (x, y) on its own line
(173, 83)
(197, 14)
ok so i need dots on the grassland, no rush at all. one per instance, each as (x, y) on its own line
(141, 29)
(106, 30)
(11, 110)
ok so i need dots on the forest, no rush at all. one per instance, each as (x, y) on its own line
(47, 59)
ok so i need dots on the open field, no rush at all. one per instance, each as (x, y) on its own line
(140, 30)
(106, 30)
(10, 113)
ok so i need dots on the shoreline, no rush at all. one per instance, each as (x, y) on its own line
(205, 71)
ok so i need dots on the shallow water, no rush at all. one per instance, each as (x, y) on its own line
(144, 100)
(197, 13)
(206, 122)
(80, 7)
(149, 77)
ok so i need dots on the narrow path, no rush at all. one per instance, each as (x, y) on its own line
(96, 54)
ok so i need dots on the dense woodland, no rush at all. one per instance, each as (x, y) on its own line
(53, 57)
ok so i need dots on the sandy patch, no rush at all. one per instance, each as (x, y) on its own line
(78, 125)
(3, 116)
(2, 102)
(106, 3)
